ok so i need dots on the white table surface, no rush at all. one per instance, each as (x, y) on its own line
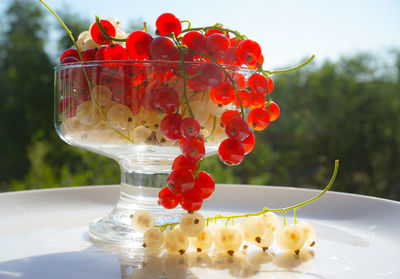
(43, 234)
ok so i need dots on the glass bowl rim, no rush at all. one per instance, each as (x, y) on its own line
(92, 63)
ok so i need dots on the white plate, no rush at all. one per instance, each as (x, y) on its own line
(43, 234)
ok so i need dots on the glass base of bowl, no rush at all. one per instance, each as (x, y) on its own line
(116, 228)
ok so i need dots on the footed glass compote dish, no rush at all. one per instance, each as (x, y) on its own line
(116, 108)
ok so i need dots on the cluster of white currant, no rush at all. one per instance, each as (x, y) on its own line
(193, 232)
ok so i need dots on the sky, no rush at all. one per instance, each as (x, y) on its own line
(287, 30)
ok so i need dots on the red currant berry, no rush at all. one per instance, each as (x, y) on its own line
(69, 59)
(171, 126)
(209, 76)
(228, 115)
(162, 48)
(234, 41)
(223, 94)
(137, 44)
(181, 162)
(240, 80)
(216, 31)
(180, 181)
(168, 199)
(115, 52)
(204, 184)
(168, 23)
(89, 54)
(190, 128)
(133, 101)
(258, 119)
(237, 129)
(231, 58)
(231, 152)
(100, 54)
(244, 98)
(193, 149)
(183, 140)
(194, 40)
(270, 85)
(166, 100)
(256, 100)
(274, 111)
(216, 46)
(191, 203)
(96, 34)
(257, 83)
(249, 53)
(71, 52)
(248, 143)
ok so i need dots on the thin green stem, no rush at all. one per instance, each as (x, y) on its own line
(265, 210)
(269, 73)
(188, 22)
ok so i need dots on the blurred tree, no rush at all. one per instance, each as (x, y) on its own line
(25, 86)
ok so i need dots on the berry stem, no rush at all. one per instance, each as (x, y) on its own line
(269, 73)
(265, 210)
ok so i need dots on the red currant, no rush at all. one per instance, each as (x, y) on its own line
(244, 98)
(171, 126)
(190, 128)
(274, 111)
(240, 80)
(209, 76)
(180, 181)
(193, 149)
(69, 59)
(231, 152)
(71, 52)
(249, 53)
(230, 57)
(194, 40)
(258, 83)
(216, 31)
(204, 185)
(258, 119)
(223, 94)
(237, 129)
(100, 54)
(166, 100)
(216, 46)
(181, 162)
(96, 34)
(248, 143)
(89, 54)
(168, 199)
(228, 115)
(162, 48)
(137, 44)
(115, 52)
(191, 203)
(168, 23)
(256, 100)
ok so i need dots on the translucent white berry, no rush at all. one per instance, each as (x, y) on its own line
(153, 239)
(176, 242)
(175, 266)
(161, 139)
(83, 36)
(192, 224)
(309, 232)
(90, 44)
(272, 221)
(203, 241)
(291, 238)
(142, 220)
(120, 117)
(200, 111)
(140, 134)
(102, 95)
(253, 230)
(227, 240)
(87, 113)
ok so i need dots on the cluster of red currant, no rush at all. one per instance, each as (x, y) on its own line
(214, 51)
